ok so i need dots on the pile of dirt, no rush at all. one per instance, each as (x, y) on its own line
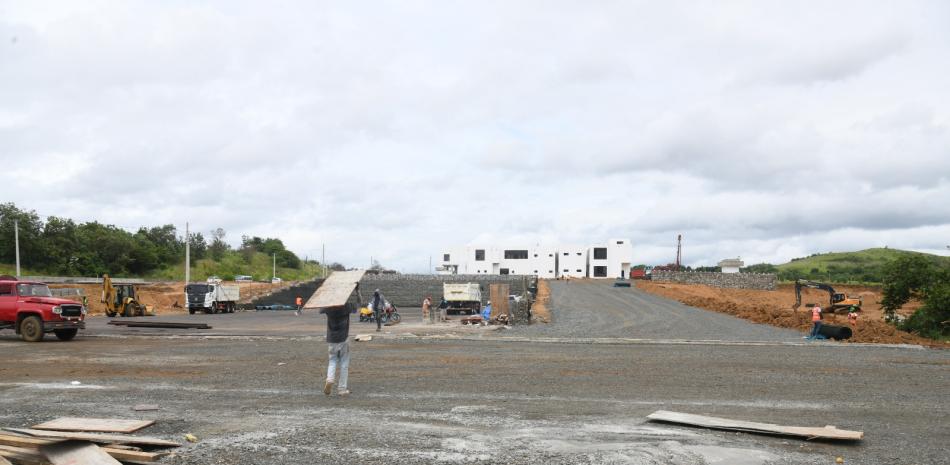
(166, 297)
(775, 308)
(539, 311)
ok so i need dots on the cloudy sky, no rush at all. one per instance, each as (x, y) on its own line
(766, 130)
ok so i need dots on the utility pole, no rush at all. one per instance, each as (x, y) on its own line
(430, 265)
(274, 274)
(16, 240)
(679, 251)
(187, 255)
(323, 258)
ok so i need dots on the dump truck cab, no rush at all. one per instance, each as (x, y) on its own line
(29, 308)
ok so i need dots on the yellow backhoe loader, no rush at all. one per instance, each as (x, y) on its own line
(837, 302)
(121, 299)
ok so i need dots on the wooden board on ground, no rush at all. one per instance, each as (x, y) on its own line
(77, 453)
(145, 407)
(23, 455)
(499, 300)
(4, 461)
(336, 290)
(828, 432)
(124, 453)
(99, 438)
(100, 425)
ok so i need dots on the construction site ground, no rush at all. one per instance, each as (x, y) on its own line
(574, 391)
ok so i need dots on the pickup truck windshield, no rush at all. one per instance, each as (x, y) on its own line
(33, 290)
(197, 288)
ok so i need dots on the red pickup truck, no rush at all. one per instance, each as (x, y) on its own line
(31, 310)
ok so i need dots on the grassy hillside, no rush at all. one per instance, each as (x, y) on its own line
(863, 266)
(231, 264)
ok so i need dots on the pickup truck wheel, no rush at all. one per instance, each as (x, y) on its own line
(191, 311)
(31, 329)
(66, 334)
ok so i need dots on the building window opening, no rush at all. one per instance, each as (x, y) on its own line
(600, 271)
(445, 257)
(480, 255)
(516, 254)
(600, 253)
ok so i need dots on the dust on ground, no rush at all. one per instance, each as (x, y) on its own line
(166, 297)
(775, 308)
(539, 311)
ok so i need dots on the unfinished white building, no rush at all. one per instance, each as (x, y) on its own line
(731, 265)
(544, 261)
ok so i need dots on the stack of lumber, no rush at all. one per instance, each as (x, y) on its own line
(81, 441)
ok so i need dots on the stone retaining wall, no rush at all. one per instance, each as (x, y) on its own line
(408, 290)
(729, 280)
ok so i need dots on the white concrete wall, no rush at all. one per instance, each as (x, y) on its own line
(545, 261)
(730, 269)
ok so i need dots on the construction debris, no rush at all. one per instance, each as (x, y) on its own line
(145, 407)
(363, 338)
(158, 324)
(97, 438)
(100, 425)
(77, 452)
(828, 432)
(191, 437)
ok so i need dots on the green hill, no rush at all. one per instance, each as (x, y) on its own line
(863, 266)
(232, 264)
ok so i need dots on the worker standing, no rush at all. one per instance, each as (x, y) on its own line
(816, 321)
(426, 307)
(299, 303)
(853, 316)
(338, 332)
(443, 310)
(378, 304)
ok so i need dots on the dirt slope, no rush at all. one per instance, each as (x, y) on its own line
(775, 308)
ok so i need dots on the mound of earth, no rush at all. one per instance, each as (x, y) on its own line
(775, 308)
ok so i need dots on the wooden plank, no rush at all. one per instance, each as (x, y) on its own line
(336, 290)
(828, 432)
(77, 453)
(499, 300)
(4, 461)
(98, 438)
(23, 455)
(123, 453)
(100, 425)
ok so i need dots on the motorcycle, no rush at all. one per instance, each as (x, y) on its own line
(390, 314)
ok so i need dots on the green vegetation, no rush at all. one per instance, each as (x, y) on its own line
(62, 247)
(914, 276)
(861, 267)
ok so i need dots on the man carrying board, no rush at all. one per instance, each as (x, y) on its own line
(337, 298)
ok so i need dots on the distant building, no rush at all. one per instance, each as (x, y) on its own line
(731, 265)
(609, 260)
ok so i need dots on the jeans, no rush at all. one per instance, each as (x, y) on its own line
(339, 356)
(816, 329)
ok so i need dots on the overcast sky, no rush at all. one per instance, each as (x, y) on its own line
(765, 130)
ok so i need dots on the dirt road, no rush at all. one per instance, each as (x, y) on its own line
(596, 309)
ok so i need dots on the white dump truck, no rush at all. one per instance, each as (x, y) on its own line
(463, 297)
(212, 297)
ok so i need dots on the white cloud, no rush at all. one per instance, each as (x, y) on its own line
(766, 130)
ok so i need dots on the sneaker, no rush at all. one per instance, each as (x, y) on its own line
(327, 388)
(343, 392)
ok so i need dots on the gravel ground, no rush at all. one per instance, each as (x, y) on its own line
(257, 398)
(596, 309)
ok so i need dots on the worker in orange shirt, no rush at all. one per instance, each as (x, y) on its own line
(816, 320)
(299, 303)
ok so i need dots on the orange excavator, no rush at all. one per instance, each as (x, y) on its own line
(838, 302)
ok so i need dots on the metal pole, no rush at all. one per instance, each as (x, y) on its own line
(274, 274)
(430, 265)
(16, 240)
(187, 255)
(323, 258)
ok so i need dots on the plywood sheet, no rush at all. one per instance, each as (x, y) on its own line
(77, 453)
(499, 300)
(336, 290)
(101, 425)
(828, 432)
(4, 461)
(92, 437)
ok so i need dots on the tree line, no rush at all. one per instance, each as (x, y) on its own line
(63, 247)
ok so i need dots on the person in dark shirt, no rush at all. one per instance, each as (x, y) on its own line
(338, 331)
(379, 306)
